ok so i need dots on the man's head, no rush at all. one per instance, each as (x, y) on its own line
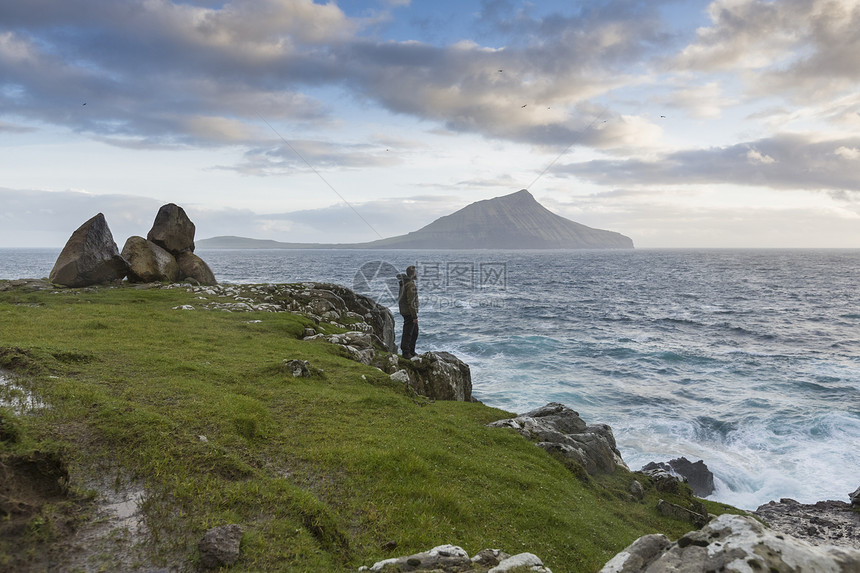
(411, 272)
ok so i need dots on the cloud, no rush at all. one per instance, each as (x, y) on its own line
(808, 50)
(787, 161)
(161, 72)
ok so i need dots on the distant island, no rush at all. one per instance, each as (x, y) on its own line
(515, 221)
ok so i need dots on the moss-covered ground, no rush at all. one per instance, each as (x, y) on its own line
(324, 472)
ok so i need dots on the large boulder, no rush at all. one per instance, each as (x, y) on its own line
(697, 474)
(733, 544)
(441, 376)
(172, 230)
(193, 267)
(558, 429)
(90, 257)
(148, 262)
(855, 498)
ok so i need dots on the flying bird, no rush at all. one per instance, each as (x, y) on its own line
(524, 105)
(85, 103)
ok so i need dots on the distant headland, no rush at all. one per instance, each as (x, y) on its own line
(515, 221)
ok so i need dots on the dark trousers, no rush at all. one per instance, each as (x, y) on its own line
(410, 335)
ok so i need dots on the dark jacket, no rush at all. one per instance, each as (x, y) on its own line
(408, 296)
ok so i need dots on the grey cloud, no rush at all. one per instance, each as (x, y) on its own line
(781, 162)
(312, 155)
(150, 71)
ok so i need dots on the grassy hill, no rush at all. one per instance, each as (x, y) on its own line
(194, 412)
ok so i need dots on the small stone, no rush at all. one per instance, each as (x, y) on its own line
(220, 546)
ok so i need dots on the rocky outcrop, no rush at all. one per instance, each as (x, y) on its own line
(148, 262)
(830, 522)
(558, 429)
(172, 230)
(732, 544)
(855, 498)
(697, 475)
(453, 559)
(90, 257)
(193, 267)
(220, 546)
(438, 376)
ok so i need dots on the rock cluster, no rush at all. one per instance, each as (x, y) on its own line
(370, 323)
(697, 475)
(90, 256)
(437, 375)
(831, 522)
(558, 429)
(733, 544)
(453, 559)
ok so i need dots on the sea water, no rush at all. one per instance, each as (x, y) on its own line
(746, 359)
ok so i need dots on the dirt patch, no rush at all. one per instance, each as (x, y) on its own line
(27, 483)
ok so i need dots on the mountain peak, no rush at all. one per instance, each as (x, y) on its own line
(515, 221)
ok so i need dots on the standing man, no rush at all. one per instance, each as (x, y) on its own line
(408, 301)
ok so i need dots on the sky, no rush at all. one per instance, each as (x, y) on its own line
(679, 123)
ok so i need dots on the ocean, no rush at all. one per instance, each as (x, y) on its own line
(746, 359)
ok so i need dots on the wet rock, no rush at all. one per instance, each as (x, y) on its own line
(90, 257)
(557, 428)
(697, 474)
(220, 546)
(193, 267)
(734, 544)
(825, 522)
(148, 262)
(172, 230)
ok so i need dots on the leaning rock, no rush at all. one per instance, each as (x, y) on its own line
(697, 475)
(172, 230)
(441, 376)
(193, 267)
(90, 257)
(557, 428)
(149, 263)
(733, 544)
(220, 546)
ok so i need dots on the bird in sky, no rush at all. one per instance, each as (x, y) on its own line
(85, 103)
(524, 105)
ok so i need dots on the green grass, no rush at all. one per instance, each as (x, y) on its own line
(322, 471)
